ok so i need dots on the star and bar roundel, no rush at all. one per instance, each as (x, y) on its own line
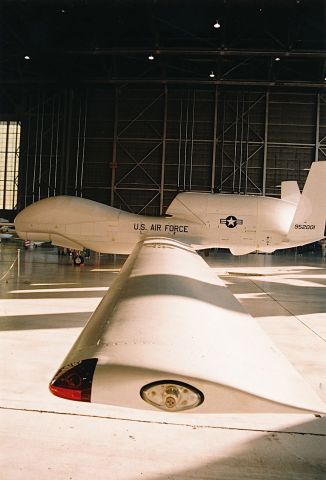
(231, 221)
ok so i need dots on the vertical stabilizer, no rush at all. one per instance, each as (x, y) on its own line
(309, 219)
(290, 192)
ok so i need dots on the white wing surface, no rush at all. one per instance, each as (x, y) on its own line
(169, 335)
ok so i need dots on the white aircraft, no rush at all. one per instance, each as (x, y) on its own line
(168, 334)
(241, 223)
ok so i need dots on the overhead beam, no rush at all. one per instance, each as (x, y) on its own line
(170, 81)
(197, 51)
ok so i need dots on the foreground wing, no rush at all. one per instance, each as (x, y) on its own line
(169, 335)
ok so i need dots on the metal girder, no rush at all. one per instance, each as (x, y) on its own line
(200, 52)
(199, 81)
(244, 161)
(41, 146)
(214, 140)
(170, 81)
(114, 146)
(240, 157)
(139, 115)
(237, 168)
(163, 149)
(121, 140)
(265, 141)
(148, 203)
(138, 163)
(322, 101)
(244, 113)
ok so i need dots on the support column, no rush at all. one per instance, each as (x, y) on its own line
(63, 142)
(265, 141)
(214, 141)
(6, 165)
(114, 147)
(24, 168)
(317, 139)
(163, 149)
(68, 142)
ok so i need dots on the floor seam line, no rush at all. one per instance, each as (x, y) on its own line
(194, 427)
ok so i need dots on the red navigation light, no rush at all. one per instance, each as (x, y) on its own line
(74, 381)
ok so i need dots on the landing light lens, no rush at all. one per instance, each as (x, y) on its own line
(171, 396)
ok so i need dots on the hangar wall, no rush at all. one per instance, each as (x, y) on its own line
(135, 146)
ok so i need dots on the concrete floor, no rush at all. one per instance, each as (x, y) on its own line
(43, 311)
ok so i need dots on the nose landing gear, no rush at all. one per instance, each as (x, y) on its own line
(78, 259)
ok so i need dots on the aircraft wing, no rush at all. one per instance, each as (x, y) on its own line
(169, 335)
(6, 229)
(7, 226)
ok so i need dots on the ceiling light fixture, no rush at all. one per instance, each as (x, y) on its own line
(150, 57)
(217, 24)
(212, 74)
(27, 57)
(277, 59)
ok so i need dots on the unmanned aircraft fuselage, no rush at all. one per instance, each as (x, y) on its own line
(239, 222)
(78, 223)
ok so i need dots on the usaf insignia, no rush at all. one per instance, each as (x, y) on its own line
(231, 221)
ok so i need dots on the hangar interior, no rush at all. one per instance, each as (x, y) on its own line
(237, 108)
(128, 103)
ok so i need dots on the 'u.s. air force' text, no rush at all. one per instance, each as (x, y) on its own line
(156, 227)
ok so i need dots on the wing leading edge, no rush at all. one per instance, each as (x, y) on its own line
(169, 335)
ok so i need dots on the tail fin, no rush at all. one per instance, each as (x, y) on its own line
(290, 192)
(308, 223)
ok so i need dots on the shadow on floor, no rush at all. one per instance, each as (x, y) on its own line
(46, 322)
(285, 455)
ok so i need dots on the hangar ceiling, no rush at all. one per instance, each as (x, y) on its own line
(110, 41)
(129, 102)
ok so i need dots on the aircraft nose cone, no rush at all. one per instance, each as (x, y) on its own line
(21, 224)
(33, 218)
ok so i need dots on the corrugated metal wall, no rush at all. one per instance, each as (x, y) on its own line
(135, 147)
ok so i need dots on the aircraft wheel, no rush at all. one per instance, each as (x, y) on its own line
(78, 260)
